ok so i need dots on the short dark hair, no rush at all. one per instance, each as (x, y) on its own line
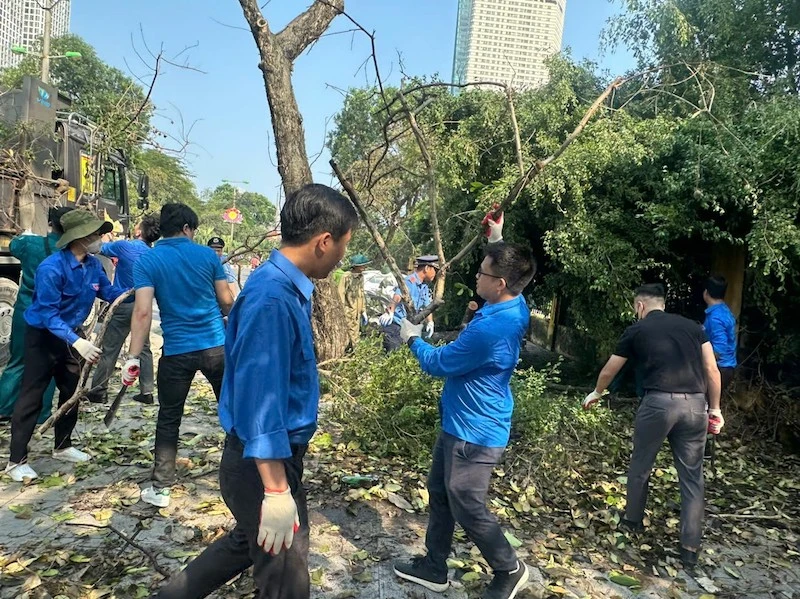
(54, 217)
(176, 216)
(716, 286)
(150, 228)
(513, 262)
(315, 209)
(651, 291)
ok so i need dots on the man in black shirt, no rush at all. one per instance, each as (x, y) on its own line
(679, 374)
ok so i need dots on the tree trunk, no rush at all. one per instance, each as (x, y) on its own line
(278, 52)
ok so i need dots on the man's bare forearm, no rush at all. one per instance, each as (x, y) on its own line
(273, 474)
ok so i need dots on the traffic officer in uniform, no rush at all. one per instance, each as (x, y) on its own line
(30, 250)
(351, 292)
(66, 285)
(681, 382)
(425, 269)
(218, 244)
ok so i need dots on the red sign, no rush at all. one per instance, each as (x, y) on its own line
(232, 215)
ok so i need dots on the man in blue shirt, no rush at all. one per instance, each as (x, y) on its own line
(127, 254)
(425, 269)
(30, 250)
(65, 287)
(218, 244)
(720, 327)
(269, 404)
(187, 281)
(476, 409)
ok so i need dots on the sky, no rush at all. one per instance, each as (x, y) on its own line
(221, 100)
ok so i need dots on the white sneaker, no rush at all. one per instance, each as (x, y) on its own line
(72, 454)
(155, 496)
(19, 472)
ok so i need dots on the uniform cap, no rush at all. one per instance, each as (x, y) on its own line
(216, 242)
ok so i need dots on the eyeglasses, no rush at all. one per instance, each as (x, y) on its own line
(486, 274)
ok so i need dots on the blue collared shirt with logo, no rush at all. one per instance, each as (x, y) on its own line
(183, 275)
(64, 291)
(476, 401)
(270, 390)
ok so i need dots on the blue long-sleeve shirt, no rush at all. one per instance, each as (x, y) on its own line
(270, 389)
(127, 254)
(476, 400)
(420, 296)
(720, 327)
(64, 291)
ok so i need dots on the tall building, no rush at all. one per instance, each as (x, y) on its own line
(507, 40)
(22, 24)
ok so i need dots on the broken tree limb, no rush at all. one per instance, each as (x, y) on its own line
(80, 391)
(373, 230)
(432, 192)
(537, 167)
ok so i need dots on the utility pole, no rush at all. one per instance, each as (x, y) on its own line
(48, 29)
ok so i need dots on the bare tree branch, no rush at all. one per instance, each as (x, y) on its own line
(308, 26)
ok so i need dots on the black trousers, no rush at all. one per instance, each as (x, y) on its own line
(726, 375)
(391, 337)
(175, 376)
(458, 484)
(282, 576)
(46, 357)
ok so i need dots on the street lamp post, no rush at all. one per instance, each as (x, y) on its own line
(235, 193)
(45, 53)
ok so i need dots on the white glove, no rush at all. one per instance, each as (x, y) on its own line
(408, 330)
(386, 319)
(715, 421)
(429, 328)
(130, 371)
(277, 522)
(495, 229)
(89, 351)
(591, 399)
(364, 319)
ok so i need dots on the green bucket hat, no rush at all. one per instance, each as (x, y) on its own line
(78, 224)
(359, 260)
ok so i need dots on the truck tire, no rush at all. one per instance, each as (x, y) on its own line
(8, 295)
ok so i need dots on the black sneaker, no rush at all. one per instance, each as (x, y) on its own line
(145, 398)
(506, 585)
(422, 571)
(631, 526)
(688, 558)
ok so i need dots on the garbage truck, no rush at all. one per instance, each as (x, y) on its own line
(52, 155)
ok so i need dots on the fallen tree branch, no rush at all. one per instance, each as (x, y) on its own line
(376, 235)
(129, 541)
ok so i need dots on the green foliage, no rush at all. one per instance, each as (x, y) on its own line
(170, 181)
(259, 215)
(385, 401)
(102, 92)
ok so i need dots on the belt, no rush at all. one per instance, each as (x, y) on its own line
(684, 396)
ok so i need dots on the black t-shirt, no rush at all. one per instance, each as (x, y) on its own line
(667, 347)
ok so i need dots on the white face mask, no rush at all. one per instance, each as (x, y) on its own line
(94, 247)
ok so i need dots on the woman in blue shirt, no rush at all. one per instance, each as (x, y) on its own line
(65, 288)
